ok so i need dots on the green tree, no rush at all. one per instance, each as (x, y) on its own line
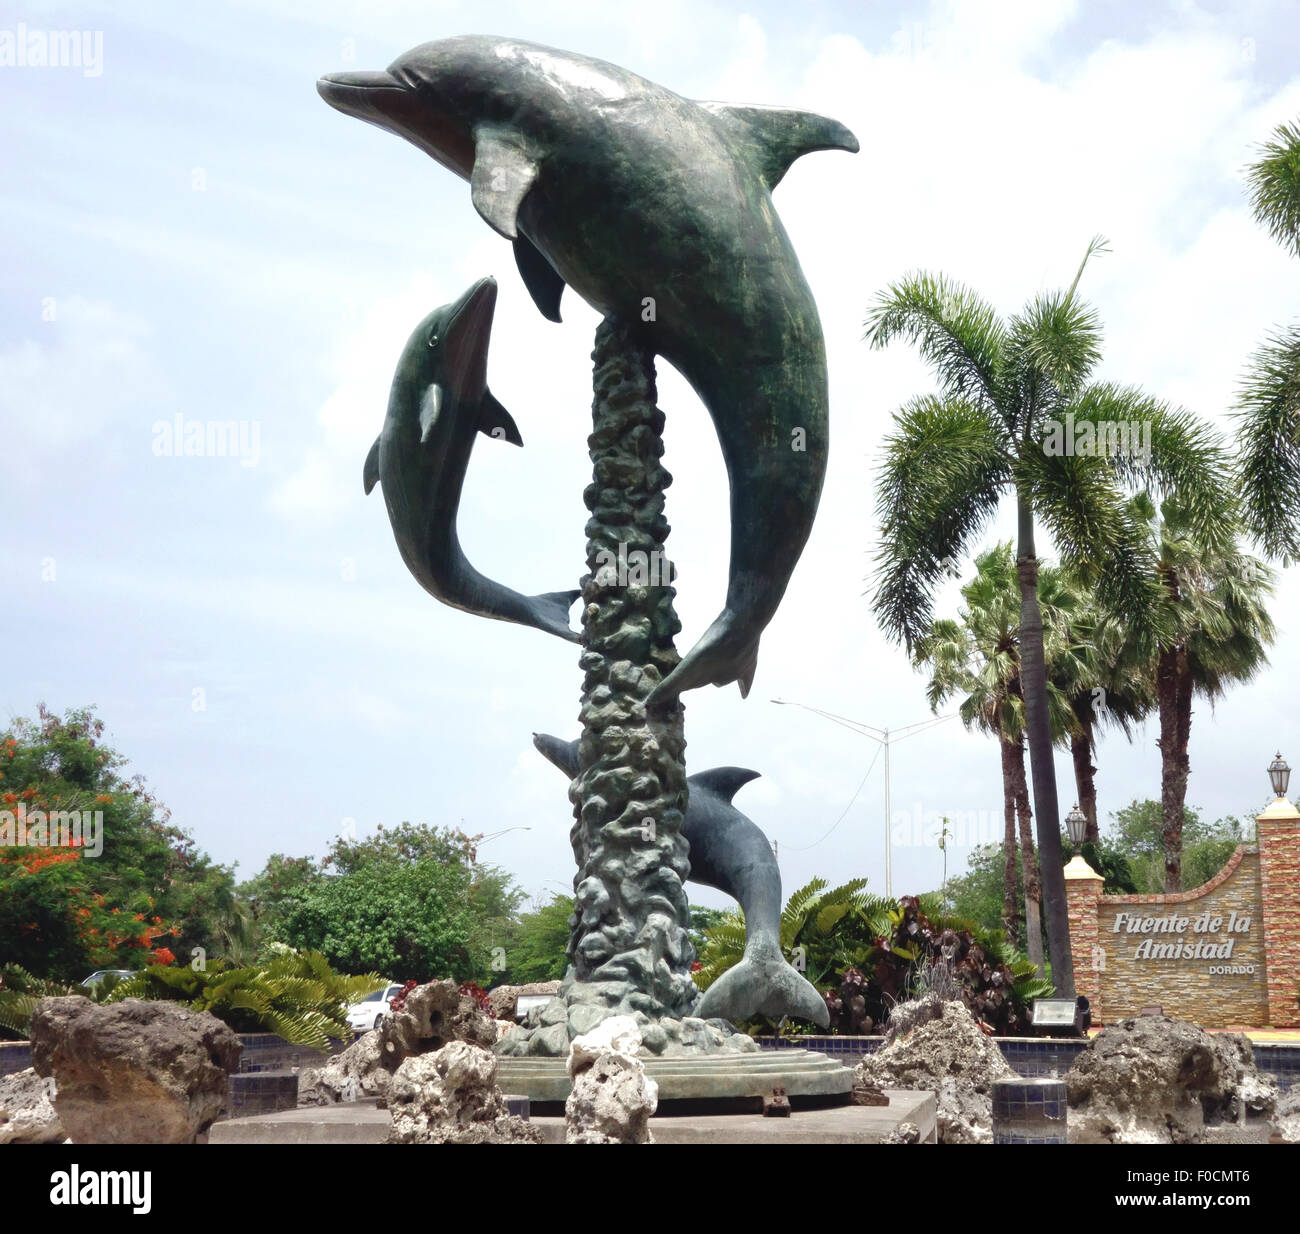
(1268, 400)
(978, 657)
(149, 894)
(1216, 632)
(1139, 834)
(535, 950)
(408, 901)
(1006, 392)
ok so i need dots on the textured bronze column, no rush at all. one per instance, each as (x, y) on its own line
(628, 943)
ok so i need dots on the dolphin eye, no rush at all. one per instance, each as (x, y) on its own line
(433, 339)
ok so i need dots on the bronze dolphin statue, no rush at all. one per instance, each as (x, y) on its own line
(730, 853)
(439, 401)
(657, 210)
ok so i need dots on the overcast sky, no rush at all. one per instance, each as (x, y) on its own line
(190, 231)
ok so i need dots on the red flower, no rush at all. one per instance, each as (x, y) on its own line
(162, 955)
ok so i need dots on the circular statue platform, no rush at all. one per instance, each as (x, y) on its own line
(687, 1084)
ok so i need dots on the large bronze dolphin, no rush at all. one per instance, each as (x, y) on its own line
(730, 853)
(439, 401)
(656, 210)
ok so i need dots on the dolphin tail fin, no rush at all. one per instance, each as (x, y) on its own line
(553, 613)
(370, 472)
(763, 984)
(775, 136)
(746, 667)
(709, 662)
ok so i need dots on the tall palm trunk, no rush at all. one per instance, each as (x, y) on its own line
(1010, 915)
(1028, 863)
(1082, 745)
(1174, 695)
(1033, 680)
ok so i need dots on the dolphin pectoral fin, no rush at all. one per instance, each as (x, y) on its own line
(725, 781)
(540, 277)
(496, 422)
(370, 472)
(763, 984)
(503, 173)
(430, 406)
(775, 136)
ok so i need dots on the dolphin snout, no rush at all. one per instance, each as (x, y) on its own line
(363, 95)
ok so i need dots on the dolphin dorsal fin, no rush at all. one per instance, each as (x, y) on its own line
(496, 422)
(543, 283)
(725, 781)
(774, 137)
(503, 173)
(370, 472)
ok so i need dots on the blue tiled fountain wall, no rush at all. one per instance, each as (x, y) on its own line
(1031, 1057)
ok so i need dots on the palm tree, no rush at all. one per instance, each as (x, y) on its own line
(1105, 685)
(1218, 632)
(978, 656)
(1006, 389)
(1268, 401)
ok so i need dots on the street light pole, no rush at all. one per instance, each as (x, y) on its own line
(884, 737)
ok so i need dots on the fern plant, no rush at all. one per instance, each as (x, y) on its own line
(824, 930)
(296, 995)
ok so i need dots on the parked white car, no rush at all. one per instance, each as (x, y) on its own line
(367, 1014)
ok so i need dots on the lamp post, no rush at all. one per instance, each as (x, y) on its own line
(1076, 824)
(884, 738)
(1280, 775)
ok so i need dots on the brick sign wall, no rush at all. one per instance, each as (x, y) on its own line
(1222, 955)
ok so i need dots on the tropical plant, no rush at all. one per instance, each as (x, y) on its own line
(1268, 400)
(978, 657)
(295, 995)
(824, 930)
(1104, 684)
(1216, 632)
(924, 952)
(1007, 391)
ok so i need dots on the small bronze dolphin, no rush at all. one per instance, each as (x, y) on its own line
(730, 853)
(657, 210)
(439, 400)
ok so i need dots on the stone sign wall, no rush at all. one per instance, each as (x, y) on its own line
(1222, 955)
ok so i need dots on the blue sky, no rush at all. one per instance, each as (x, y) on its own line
(191, 231)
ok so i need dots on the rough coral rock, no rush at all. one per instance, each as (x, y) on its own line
(451, 1097)
(134, 1072)
(904, 1133)
(1286, 1117)
(433, 1015)
(612, 1098)
(27, 1115)
(1157, 1080)
(935, 1044)
(581, 1008)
